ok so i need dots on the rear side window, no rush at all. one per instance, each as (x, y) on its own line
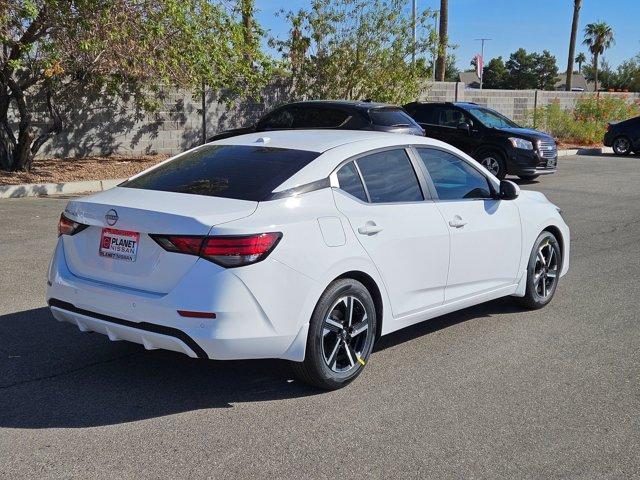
(320, 117)
(424, 114)
(391, 117)
(350, 182)
(454, 178)
(229, 171)
(389, 177)
(283, 118)
(449, 117)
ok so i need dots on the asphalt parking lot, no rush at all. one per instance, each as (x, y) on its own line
(490, 392)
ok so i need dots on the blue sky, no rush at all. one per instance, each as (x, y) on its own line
(535, 25)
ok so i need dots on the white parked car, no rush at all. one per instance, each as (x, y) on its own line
(303, 245)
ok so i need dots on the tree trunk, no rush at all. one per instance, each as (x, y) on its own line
(246, 9)
(572, 43)
(441, 61)
(595, 66)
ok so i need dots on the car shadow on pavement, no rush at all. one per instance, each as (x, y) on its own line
(53, 376)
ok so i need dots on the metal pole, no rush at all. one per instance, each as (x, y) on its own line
(414, 24)
(482, 40)
(204, 114)
(535, 109)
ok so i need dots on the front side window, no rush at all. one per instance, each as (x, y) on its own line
(231, 171)
(350, 182)
(389, 177)
(453, 177)
(450, 117)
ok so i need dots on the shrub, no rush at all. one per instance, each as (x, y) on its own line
(586, 123)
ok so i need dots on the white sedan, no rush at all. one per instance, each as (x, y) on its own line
(301, 245)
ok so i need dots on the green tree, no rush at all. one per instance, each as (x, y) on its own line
(531, 70)
(495, 74)
(522, 70)
(51, 49)
(598, 37)
(572, 42)
(355, 49)
(580, 59)
(546, 71)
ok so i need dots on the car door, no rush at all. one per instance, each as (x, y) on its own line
(402, 231)
(485, 232)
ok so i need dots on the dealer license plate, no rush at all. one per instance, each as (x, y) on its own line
(119, 244)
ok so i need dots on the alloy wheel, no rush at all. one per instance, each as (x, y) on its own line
(622, 145)
(546, 270)
(345, 333)
(491, 164)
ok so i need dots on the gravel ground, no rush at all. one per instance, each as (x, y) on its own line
(55, 170)
(490, 392)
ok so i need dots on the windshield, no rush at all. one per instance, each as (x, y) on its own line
(492, 119)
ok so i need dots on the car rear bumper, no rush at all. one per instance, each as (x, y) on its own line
(241, 329)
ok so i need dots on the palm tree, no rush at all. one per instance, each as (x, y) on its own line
(598, 37)
(572, 42)
(441, 61)
(580, 59)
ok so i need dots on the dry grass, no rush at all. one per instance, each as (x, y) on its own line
(56, 170)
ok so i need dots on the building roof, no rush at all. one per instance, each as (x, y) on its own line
(578, 81)
(471, 79)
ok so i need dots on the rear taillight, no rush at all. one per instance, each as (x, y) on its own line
(66, 226)
(227, 251)
(608, 127)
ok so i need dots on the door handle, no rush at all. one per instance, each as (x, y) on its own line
(457, 222)
(369, 228)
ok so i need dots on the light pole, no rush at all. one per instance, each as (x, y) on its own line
(482, 40)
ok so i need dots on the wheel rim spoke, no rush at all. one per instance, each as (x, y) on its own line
(350, 356)
(552, 273)
(331, 361)
(332, 325)
(360, 327)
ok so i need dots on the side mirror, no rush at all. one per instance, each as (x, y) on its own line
(465, 127)
(508, 190)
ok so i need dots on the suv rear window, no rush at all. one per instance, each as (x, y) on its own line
(229, 171)
(391, 117)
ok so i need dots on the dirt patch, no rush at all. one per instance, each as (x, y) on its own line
(60, 170)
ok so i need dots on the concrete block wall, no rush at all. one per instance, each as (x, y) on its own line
(97, 125)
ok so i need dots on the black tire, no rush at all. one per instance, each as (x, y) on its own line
(621, 145)
(528, 178)
(487, 158)
(315, 369)
(537, 277)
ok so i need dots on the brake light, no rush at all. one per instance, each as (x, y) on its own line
(608, 127)
(227, 251)
(66, 226)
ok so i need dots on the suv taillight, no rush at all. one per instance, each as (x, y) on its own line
(608, 127)
(227, 251)
(66, 226)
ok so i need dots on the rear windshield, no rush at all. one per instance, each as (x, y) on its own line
(391, 117)
(229, 171)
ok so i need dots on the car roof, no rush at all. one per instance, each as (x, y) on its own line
(455, 104)
(318, 140)
(355, 104)
(334, 147)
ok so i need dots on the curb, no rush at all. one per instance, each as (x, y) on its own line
(585, 151)
(46, 189)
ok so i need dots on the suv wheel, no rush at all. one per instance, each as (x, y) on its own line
(341, 335)
(494, 162)
(622, 146)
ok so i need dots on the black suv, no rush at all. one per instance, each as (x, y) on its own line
(624, 136)
(332, 114)
(499, 144)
